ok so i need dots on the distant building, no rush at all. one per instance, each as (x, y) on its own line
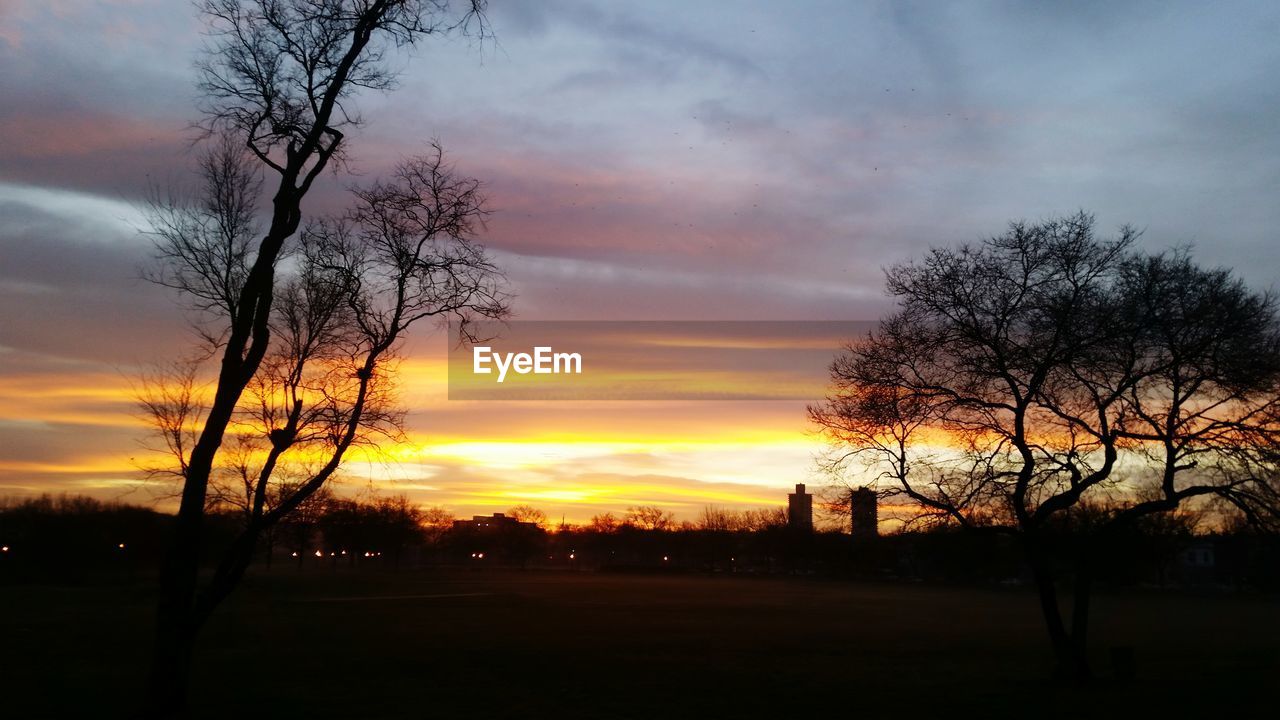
(496, 523)
(1198, 555)
(863, 519)
(800, 510)
(496, 538)
(1196, 563)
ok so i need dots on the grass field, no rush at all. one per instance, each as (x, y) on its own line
(512, 644)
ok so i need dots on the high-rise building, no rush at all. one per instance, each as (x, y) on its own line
(800, 510)
(863, 518)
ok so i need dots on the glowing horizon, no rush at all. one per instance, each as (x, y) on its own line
(472, 457)
(641, 165)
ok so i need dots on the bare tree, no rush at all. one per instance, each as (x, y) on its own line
(437, 521)
(761, 519)
(169, 399)
(718, 519)
(278, 79)
(604, 523)
(404, 253)
(647, 517)
(1019, 373)
(529, 514)
(755, 520)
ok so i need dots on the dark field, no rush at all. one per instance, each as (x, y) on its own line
(493, 645)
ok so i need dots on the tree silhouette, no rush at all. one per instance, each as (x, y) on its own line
(648, 517)
(437, 521)
(279, 80)
(529, 514)
(604, 523)
(718, 519)
(1019, 374)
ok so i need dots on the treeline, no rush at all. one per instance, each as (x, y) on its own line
(75, 539)
(644, 538)
(72, 538)
(648, 517)
(1171, 549)
(376, 530)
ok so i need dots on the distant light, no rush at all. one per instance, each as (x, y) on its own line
(473, 554)
(344, 552)
(295, 553)
(121, 546)
(319, 554)
(572, 556)
(4, 548)
(665, 558)
(332, 554)
(481, 556)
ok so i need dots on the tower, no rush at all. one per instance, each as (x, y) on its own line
(863, 518)
(800, 510)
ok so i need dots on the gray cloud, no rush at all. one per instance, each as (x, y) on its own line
(680, 161)
(70, 282)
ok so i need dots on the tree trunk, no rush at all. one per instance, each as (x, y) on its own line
(1082, 593)
(179, 576)
(1069, 646)
(1049, 609)
(170, 673)
(1071, 661)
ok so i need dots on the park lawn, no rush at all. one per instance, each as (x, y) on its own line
(496, 644)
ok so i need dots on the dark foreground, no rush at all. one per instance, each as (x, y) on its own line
(511, 644)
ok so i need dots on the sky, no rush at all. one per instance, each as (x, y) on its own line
(666, 161)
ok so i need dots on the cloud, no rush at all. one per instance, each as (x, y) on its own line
(90, 150)
(686, 161)
(73, 290)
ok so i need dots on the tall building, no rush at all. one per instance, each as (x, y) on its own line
(863, 518)
(800, 509)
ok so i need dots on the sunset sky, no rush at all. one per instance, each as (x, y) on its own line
(666, 161)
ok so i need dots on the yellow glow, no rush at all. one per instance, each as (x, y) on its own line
(570, 459)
